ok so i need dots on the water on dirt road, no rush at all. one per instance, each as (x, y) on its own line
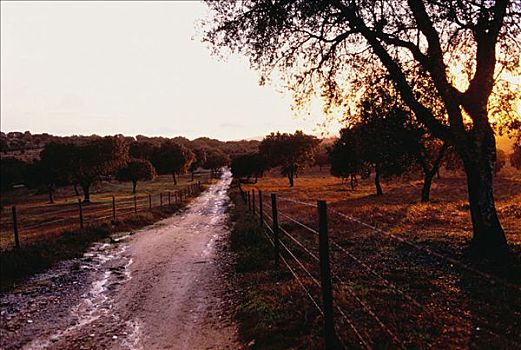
(160, 288)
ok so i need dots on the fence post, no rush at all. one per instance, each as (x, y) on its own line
(135, 204)
(325, 278)
(275, 216)
(253, 201)
(248, 200)
(15, 228)
(161, 199)
(149, 201)
(81, 213)
(261, 209)
(114, 208)
(169, 202)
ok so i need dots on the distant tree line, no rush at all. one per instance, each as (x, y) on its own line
(83, 161)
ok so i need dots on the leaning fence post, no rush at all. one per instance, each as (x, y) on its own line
(325, 277)
(135, 204)
(261, 209)
(253, 201)
(81, 213)
(275, 214)
(149, 201)
(114, 208)
(15, 228)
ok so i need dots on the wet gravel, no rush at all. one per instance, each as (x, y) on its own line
(160, 288)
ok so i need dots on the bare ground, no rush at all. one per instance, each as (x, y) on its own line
(161, 288)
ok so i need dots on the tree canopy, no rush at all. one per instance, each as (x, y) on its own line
(332, 47)
(172, 158)
(291, 152)
(98, 158)
(248, 165)
(136, 170)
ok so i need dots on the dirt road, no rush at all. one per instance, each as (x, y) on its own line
(160, 288)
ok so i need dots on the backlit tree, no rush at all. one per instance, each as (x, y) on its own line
(332, 46)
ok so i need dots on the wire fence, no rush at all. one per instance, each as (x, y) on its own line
(372, 302)
(20, 226)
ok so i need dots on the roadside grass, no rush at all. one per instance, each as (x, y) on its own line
(18, 264)
(464, 309)
(272, 312)
(34, 209)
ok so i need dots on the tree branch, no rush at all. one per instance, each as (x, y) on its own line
(423, 113)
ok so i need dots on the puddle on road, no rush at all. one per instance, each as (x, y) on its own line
(107, 265)
(110, 265)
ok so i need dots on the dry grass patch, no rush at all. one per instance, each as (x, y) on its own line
(402, 295)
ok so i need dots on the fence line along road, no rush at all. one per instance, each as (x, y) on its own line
(331, 339)
(81, 214)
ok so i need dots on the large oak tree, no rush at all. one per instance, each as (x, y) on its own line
(290, 152)
(326, 46)
(172, 158)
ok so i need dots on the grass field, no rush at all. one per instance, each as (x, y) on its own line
(392, 290)
(38, 219)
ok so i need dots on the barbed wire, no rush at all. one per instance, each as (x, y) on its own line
(491, 279)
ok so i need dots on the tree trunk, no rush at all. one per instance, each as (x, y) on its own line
(489, 238)
(50, 189)
(430, 171)
(379, 191)
(354, 182)
(85, 186)
(478, 153)
(134, 185)
(427, 182)
(174, 178)
(76, 192)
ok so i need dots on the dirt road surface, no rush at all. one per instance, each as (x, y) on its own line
(162, 287)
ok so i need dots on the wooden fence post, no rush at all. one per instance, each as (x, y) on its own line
(253, 201)
(275, 216)
(81, 213)
(261, 209)
(135, 204)
(114, 208)
(15, 228)
(161, 199)
(169, 202)
(149, 201)
(325, 278)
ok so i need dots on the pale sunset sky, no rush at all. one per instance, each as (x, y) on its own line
(132, 68)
